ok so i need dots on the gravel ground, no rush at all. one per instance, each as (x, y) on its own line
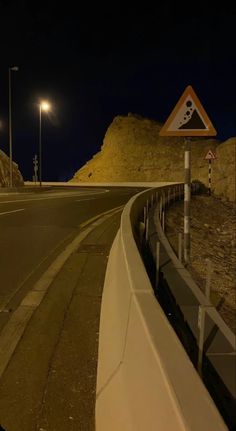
(213, 236)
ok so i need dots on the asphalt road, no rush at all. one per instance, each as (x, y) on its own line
(49, 325)
(34, 228)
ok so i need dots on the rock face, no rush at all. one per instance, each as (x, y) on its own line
(213, 236)
(224, 169)
(5, 172)
(132, 150)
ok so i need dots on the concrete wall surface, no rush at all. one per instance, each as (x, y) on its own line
(145, 379)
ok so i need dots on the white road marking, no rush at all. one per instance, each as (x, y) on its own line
(56, 196)
(14, 211)
(86, 199)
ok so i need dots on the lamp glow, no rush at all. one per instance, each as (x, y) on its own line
(45, 106)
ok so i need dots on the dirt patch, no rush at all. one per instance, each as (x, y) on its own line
(213, 236)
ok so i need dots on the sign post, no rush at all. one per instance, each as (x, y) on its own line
(187, 199)
(35, 162)
(188, 119)
(209, 156)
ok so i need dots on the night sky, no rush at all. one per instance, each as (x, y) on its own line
(95, 62)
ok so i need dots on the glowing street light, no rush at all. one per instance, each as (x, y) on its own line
(45, 107)
(14, 69)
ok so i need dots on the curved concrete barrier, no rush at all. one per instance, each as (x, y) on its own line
(145, 379)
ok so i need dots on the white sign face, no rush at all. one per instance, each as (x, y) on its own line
(210, 155)
(188, 118)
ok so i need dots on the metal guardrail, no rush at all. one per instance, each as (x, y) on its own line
(139, 353)
(209, 342)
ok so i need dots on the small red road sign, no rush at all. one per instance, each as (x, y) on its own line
(210, 155)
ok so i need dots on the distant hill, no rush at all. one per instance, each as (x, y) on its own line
(17, 178)
(132, 150)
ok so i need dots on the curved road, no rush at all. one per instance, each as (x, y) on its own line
(34, 228)
(50, 303)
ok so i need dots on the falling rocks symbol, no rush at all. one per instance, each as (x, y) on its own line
(194, 120)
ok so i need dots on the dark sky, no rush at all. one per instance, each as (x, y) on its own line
(94, 62)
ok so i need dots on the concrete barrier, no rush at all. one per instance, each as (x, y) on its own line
(145, 379)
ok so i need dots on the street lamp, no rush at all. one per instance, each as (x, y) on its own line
(14, 69)
(43, 106)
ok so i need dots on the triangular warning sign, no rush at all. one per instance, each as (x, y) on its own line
(188, 118)
(210, 155)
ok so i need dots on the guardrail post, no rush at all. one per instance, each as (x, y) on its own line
(152, 200)
(163, 220)
(201, 326)
(141, 232)
(146, 229)
(180, 246)
(208, 278)
(168, 198)
(202, 315)
(144, 215)
(157, 263)
(160, 213)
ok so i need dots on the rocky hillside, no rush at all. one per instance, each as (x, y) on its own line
(213, 236)
(5, 173)
(132, 150)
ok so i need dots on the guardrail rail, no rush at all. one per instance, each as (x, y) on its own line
(145, 380)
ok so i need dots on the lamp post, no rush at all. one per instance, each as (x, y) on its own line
(14, 69)
(43, 106)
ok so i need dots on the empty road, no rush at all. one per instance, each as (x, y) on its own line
(53, 256)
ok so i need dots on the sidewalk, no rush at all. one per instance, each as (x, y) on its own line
(50, 382)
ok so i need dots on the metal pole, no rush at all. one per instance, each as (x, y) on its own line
(187, 197)
(209, 177)
(201, 326)
(10, 131)
(202, 316)
(208, 278)
(35, 162)
(157, 262)
(180, 247)
(147, 229)
(144, 215)
(141, 232)
(163, 220)
(40, 146)
(14, 68)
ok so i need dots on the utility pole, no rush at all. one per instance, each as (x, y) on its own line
(15, 69)
(35, 162)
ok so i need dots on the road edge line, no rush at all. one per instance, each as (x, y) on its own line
(13, 331)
